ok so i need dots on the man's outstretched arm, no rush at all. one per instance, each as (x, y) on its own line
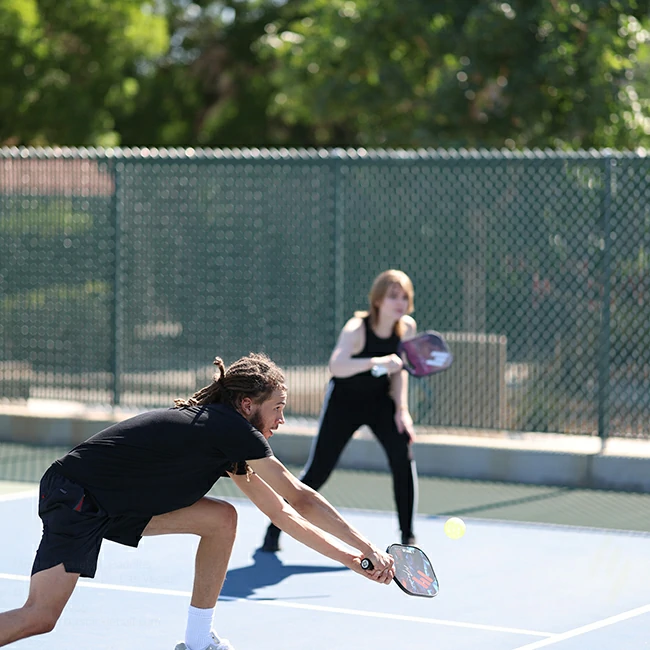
(310, 504)
(285, 517)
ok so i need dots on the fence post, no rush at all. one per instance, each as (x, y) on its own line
(605, 324)
(339, 246)
(116, 326)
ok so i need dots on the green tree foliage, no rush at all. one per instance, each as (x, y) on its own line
(541, 73)
(210, 88)
(67, 67)
(473, 73)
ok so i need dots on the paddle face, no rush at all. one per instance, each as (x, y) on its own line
(425, 354)
(414, 573)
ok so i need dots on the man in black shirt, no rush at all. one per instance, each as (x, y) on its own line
(148, 475)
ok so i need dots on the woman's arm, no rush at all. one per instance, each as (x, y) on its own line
(351, 341)
(399, 389)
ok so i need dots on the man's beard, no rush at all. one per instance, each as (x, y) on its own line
(256, 421)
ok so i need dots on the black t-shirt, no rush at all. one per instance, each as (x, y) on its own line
(162, 460)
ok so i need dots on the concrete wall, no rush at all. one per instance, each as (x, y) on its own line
(541, 459)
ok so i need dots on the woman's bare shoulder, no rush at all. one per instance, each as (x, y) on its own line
(410, 326)
(355, 323)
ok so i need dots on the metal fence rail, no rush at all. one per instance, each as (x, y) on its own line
(124, 272)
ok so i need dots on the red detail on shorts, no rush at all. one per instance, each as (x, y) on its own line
(78, 506)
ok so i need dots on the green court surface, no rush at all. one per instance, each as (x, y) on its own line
(23, 464)
(486, 500)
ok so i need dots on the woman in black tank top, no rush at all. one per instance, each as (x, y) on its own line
(356, 396)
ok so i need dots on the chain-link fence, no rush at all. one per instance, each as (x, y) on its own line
(124, 272)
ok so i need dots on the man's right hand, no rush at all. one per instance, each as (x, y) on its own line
(383, 570)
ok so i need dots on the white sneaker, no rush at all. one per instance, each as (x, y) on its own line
(224, 644)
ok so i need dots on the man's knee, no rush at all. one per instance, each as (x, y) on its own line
(230, 515)
(39, 620)
(226, 521)
(44, 625)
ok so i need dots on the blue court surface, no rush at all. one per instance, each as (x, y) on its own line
(504, 586)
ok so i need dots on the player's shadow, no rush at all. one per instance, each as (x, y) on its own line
(267, 569)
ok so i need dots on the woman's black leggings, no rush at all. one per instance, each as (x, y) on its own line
(340, 419)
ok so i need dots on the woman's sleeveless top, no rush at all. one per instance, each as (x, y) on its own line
(364, 384)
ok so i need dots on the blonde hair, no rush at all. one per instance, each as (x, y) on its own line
(380, 287)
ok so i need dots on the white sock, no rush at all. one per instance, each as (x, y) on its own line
(199, 625)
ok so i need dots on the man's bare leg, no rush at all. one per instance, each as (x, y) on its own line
(49, 591)
(215, 522)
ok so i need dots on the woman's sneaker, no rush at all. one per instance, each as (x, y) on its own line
(271, 540)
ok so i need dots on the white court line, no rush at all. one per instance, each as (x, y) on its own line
(316, 608)
(14, 496)
(397, 617)
(99, 585)
(586, 628)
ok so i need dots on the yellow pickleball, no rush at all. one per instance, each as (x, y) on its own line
(455, 528)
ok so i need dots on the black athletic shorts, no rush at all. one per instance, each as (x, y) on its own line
(74, 526)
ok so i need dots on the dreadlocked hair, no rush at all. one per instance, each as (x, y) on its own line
(254, 376)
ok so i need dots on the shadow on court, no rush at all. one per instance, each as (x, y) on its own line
(267, 570)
